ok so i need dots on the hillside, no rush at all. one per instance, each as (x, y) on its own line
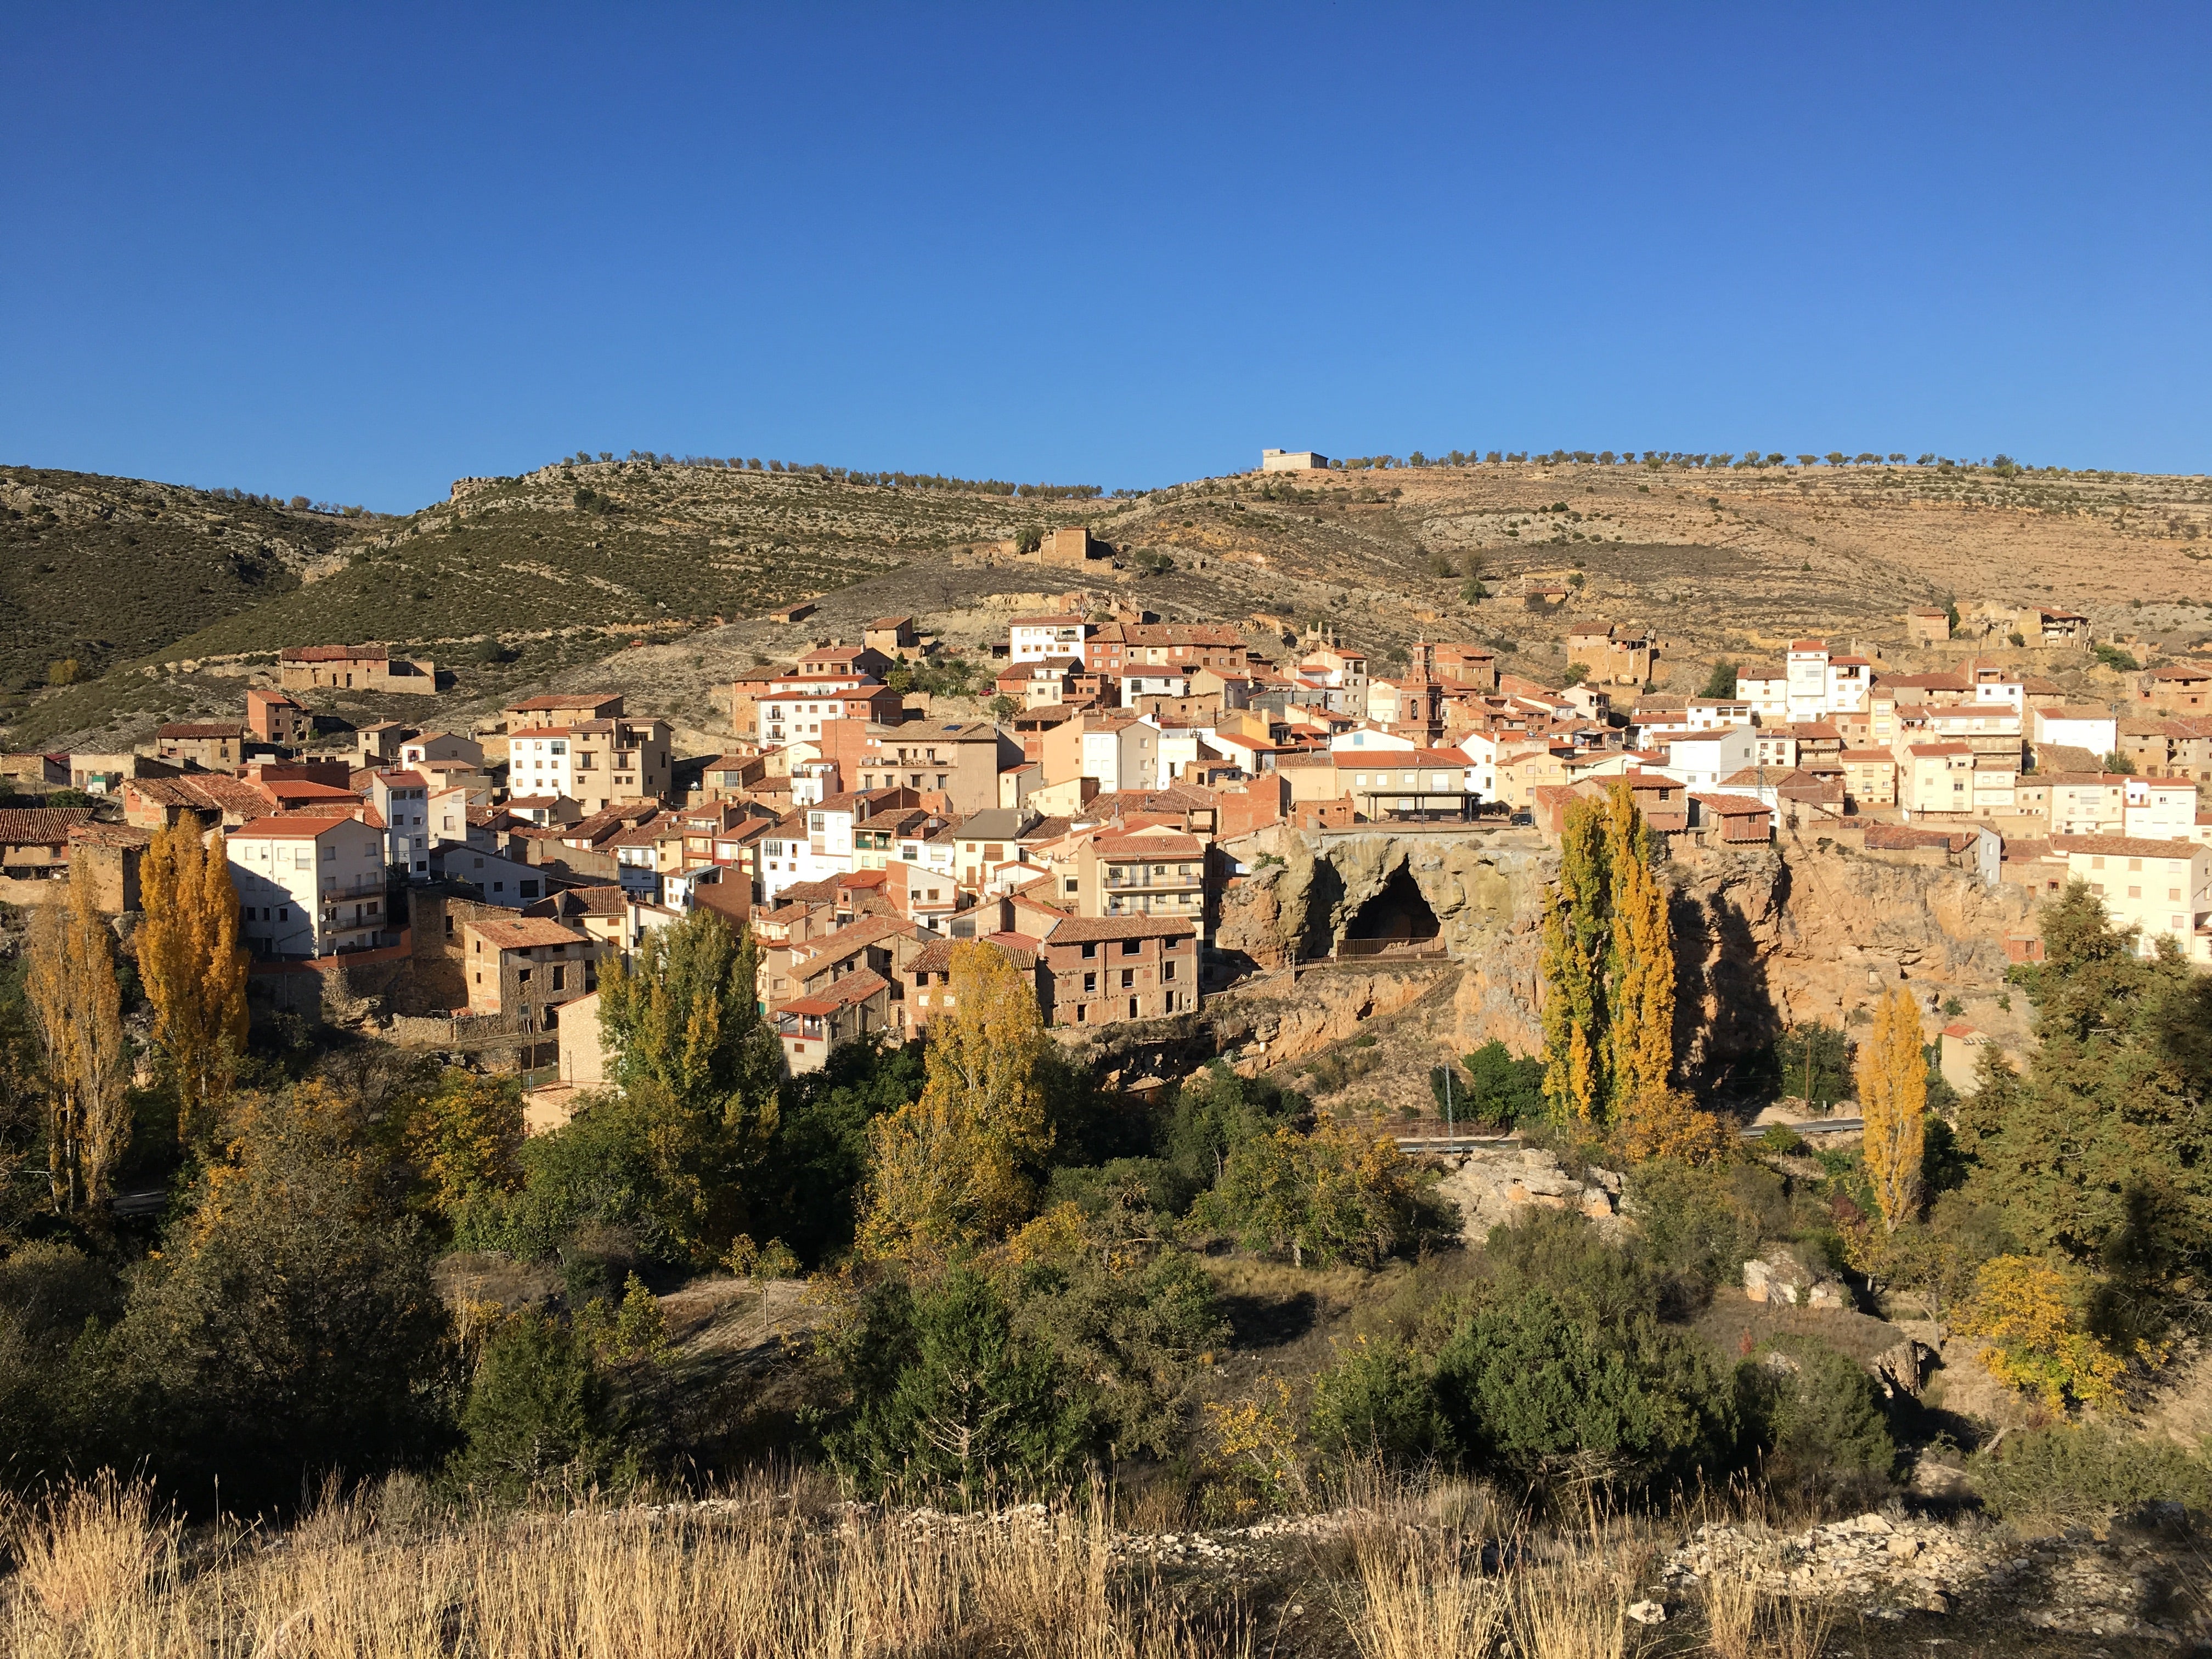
(105, 570)
(549, 578)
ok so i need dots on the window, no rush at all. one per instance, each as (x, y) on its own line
(560, 978)
(479, 947)
(1090, 983)
(1090, 949)
(1167, 971)
(1131, 946)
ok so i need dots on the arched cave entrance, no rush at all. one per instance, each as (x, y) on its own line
(1396, 915)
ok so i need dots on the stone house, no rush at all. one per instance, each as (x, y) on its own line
(810, 1027)
(2181, 687)
(524, 967)
(892, 635)
(214, 745)
(354, 667)
(560, 708)
(277, 717)
(107, 856)
(2041, 627)
(1927, 625)
(34, 841)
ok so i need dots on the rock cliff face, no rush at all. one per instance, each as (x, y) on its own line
(1484, 894)
(1765, 938)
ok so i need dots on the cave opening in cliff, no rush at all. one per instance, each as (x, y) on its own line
(1396, 915)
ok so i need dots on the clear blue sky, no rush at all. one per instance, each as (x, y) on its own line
(355, 252)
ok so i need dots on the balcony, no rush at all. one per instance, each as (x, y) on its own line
(1122, 878)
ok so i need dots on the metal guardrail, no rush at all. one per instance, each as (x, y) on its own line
(1470, 1141)
(1817, 1126)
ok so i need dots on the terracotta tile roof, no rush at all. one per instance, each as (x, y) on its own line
(936, 956)
(2126, 846)
(859, 936)
(857, 987)
(40, 826)
(291, 826)
(1078, 929)
(334, 654)
(105, 835)
(1144, 843)
(524, 933)
(1731, 806)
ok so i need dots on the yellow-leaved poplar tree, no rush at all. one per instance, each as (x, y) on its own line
(951, 1167)
(78, 1008)
(192, 966)
(1642, 990)
(1576, 930)
(1892, 1080)
(1608, 962)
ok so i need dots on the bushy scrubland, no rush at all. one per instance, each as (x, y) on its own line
(1015, 1278)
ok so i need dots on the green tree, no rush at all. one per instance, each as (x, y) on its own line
(821, 1155)
(466, 1139)
(702, 1068)
(1721, 683)
(1328, 1193)
(1379, 1401)
(1117, 1304)
(1821, 1417)
(290, 1324)
(946, 1393)
(539, 1407)
(1813, 1063)
(1536, 1393)
(1217, 1110)
(2100, 1154)
(1500, 1088)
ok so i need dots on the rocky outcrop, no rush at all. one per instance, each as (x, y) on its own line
(1765, 938)
(1782, 1275)
(1501, 1186)
(1291, 1015)
(1485, 890)
(1890, 1567)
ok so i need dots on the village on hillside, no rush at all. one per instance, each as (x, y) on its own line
(1086, 821)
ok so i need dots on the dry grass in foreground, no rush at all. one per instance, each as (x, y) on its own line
(100, 1572)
